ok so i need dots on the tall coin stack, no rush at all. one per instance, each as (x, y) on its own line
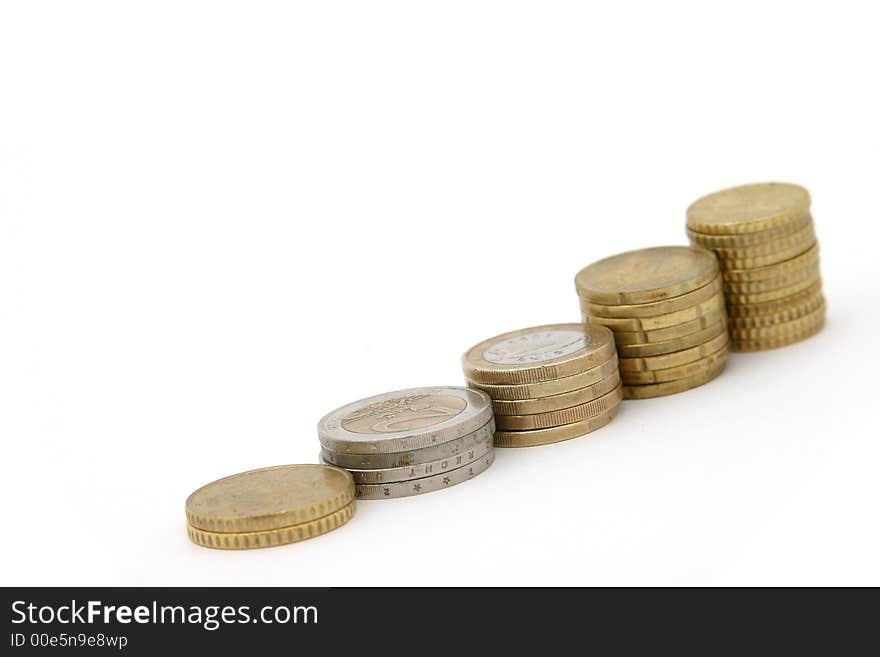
(410, 442)
(665, 307)
(547, 383)
(766, 245)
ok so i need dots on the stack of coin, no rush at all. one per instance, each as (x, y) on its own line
(665, 307)
(410, 442)
(766, 246)
(272, 506)
(547, 383)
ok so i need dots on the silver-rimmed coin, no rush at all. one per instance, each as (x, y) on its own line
(404, 420)
(425, 484)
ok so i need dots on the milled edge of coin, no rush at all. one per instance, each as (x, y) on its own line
(804, 260)
(264, 522)
(708, 271)
(795, 312)
(570, 415)
(674, 359)
(680, 372)
(772, 295)
(598, 349)
(635, 324)
(556, 402)
(549, 388)
(772, 307)
(411, 457)
(763, 261)
(335, 437)
(670, 332)
(781, 330)
(753, 224)
(775, 343)
(786, 280)
(537, 437)
(432, 484)
(658, 307)
(652, 390)
(271, 537)
(671, 346)
(747, 239)
(805, 235)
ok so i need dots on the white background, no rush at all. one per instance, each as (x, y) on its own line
(219, 221)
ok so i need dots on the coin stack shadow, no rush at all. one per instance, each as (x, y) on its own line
(665, 306)
(766, 245)
(547, 383)
(410, 442)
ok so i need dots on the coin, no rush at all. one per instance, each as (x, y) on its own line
(537, 437)
(788, 279)
(564, 416)
(780, 317)
(647, 275)
(774, 343)
(681, 372)
(715, 303)
(772, 295)
(411, 457)
(748, 209)
(670, 332)
(656, 308)
(425, 484)
(672, 387)
(404, 420)
(748, 239)
(805, 260)
(405, 473)
(805, 235)
(775, 331)
(777, 306)
(670, 346)
(271, 537)
(547, 388)
(556, 402)
(269, 498)
(540, 353)
(727, 263)
(674, 359)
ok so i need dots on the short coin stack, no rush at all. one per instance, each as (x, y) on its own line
(666, 308)
(547, 383)
(766, 245)
(410, 442)
(272, 506)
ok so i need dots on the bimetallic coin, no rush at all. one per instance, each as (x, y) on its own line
(681, 372)
(804, 261)
(556, 402)
(404, 420)
(672, 387)
(727, 263)
(670, 332)
(715, 303)
(647, 275)
(749, 209)
(671, 346)
(540, 353)
(747, 239)
(794, 326)
(413, 457)
(537, 437)
(548, 388)
(269, 498)
(674, 359)
(570, 415)
(805, 235)
(772, 295)
(271, 537)
(656, 308)
(781, 317)
(425, 484)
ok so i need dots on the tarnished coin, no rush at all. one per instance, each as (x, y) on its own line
(681, 372)
(749, 209)
(672, 360)
(656, 308)
(271, 537)
(548, 388)
(747, 239)
(647, 275)
(780, 317)
(269, 498)
(772, 295)
(780, 331)
(404, 420)
(671, 346)
(670, 332)
(537, 437)
(735, 310)
(632, 324)
(672, 387)
(556, 402)
(540, 353)
(411, 457)
(425, 484)
(578, 413)
(803, 261)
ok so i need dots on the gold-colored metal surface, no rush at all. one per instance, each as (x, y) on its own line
(803, 236)
(735, 310)
(776, 342)
(772, 295)
(748, 209)
(785, 280)
(747, 239)
(633, 324)
(656, 308)
(780, 317)
(727, 263)
(556, 402)
(671, 346)
(681, 372)
(670, 332)
(672, 387)
(269, 498)
(674, 359)
(536, 437)
(570, 415)
(547, 388)
(807, 259)
(780, 331)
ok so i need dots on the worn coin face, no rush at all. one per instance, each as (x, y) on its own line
(748, 208)
(404, 420)
(269, 498)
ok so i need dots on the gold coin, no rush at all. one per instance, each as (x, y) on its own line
(671, 346)
(766, 285)
(776, 306)
(715, 303)
(548, 388)
(774, 343)
(647, 275)
(557, 418)
(674, 359)
(535, 437)
(681, 372)
(772, 295)
(656, 308)
(670, 332)
(748, 239)
(795, 312)
(556, 402)
(748, 209)
(269, 498)
(805, 235)
(805, 260)
(672, 387)
(799, 325)
(271, 537)
(540, 353)
(727, 264)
